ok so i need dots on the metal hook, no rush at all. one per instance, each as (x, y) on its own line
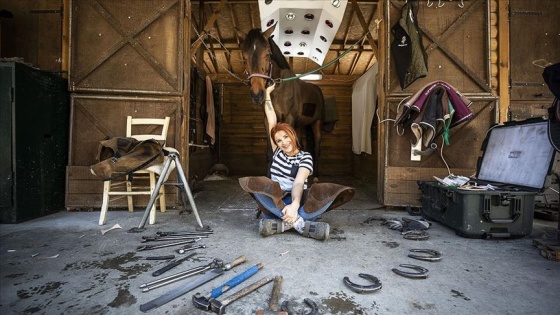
(461, 5)
(440, 4)
(430, 4)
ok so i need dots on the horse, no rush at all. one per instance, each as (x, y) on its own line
(296, 102)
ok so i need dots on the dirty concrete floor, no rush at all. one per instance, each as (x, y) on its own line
(62, 264)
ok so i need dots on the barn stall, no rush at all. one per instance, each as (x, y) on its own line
(162, 52)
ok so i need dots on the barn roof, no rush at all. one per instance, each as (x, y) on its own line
(215, 43)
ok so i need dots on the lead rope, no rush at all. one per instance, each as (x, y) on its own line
(328, 63)
(278, 80)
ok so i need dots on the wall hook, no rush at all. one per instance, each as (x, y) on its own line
(461, 5)
(430, 4)
(440, 4)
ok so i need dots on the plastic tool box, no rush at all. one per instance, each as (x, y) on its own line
(516, 159)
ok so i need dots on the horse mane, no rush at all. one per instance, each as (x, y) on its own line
(277, 55)
(255, 36)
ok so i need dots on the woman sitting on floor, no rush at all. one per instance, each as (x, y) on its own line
(285, 199)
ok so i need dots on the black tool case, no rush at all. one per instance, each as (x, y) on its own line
(516, 158)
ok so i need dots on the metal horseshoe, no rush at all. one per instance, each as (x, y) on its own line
(287, 307)
(363, 288)
(422, 273)
(433, 255)
(416, 235)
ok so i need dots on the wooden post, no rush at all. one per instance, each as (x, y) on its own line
(503, 60)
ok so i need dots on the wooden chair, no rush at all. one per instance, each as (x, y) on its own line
(135, 184)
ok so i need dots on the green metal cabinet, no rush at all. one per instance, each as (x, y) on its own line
(34, 118)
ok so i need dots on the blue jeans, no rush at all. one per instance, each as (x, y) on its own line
(276, 213)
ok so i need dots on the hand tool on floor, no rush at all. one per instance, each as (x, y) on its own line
(185, 249)
(359, 288)
(216, 263)
(171, 265)
(168, 257)
(177, 233)
(219, 307)
(172, 238)
(175, 293)
(273, 303)
(149, 247)
(203, 302)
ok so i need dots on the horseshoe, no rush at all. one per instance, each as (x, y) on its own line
(363, 288)
(433, 255)
(287, 307)
(416, 235)
(422, 273)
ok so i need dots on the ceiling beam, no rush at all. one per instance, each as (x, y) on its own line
(209, 23)
(365, 26)
(328, 79)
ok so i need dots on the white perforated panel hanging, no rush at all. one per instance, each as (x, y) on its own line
(305, 28)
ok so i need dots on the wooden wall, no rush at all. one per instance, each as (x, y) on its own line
(33, 34)
(457, 41)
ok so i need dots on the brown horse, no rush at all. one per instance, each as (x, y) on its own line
(296, 102)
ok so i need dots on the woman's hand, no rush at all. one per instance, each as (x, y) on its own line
(290, 213)
(269, 90)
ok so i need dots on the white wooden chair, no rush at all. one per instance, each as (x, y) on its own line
(140, 129)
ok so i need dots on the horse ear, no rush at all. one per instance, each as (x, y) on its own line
(269, 31)
(240, 33)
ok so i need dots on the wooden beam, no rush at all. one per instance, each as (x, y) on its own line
(503, 60)
(364, 26)
(328, 79)
(209, 24)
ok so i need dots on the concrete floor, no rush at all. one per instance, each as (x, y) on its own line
(62, 264)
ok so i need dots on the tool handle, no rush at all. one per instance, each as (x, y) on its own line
(160, 257)
(165, 268)
(171, 265)
(238, 261)
(246, 290)
(235, 281)
(275, 296)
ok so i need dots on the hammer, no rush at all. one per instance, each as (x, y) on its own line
(203, 302)
(219, 307)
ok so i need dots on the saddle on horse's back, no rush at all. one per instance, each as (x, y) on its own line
(551, 75)
(120, 156)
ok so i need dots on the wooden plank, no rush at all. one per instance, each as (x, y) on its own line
(125, 44)
(503, 59)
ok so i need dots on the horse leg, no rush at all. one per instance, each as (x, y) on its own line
(316, 127)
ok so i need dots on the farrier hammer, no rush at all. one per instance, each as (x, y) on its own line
(203, 302)
(177, 292)
(219, 307)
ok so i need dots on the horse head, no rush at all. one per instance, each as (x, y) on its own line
(258, 63)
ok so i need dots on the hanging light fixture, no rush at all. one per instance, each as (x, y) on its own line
(309, 25)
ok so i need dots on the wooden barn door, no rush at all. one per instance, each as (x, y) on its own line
(535, 43)
(126, 59)
(458, 42)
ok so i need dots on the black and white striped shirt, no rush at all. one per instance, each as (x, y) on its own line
(284, 168)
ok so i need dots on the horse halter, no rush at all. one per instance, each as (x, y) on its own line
(269, 79)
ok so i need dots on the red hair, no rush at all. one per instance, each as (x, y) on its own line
(288, 129)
